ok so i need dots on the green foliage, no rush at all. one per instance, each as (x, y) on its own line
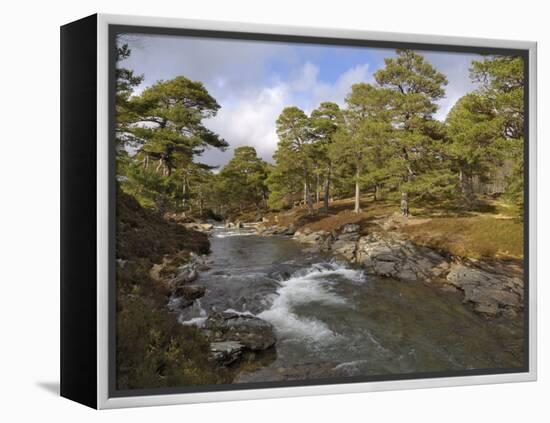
(416, 87)
(293, 158)
(502, 81)
(243, 179)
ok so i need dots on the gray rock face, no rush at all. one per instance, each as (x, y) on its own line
(344, 248)
(226, 352)
(252, 332)
(399, 258)
(489, 290)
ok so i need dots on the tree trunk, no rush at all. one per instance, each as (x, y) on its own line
(307, 196)
(184, 193)
(376, 192)
(317, 190)
(405, 203)
(327, 190)
(357, 193)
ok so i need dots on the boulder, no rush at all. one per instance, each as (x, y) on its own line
(252, 332)
(349, 228)
(190, 292)
(207, 226)
(226, 352)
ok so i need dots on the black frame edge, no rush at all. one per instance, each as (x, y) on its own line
(78, 173)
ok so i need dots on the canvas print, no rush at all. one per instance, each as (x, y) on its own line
(295, 212)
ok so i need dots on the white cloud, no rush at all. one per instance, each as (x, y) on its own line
(250, 120)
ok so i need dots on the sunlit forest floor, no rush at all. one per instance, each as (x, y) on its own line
(492, 229)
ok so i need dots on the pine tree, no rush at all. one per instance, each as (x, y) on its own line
(325, 121)
(362, 143)
(294, 152)
(169, 132)
(417, 86)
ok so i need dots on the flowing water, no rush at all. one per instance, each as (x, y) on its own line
(333, 319)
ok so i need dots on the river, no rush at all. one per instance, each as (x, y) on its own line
(333, 319)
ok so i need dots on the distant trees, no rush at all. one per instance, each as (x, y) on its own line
(385, 139)
(242, 181)
(502, 82)
(472, 148)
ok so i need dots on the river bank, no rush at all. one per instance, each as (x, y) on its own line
(493, 288)
(289, 307)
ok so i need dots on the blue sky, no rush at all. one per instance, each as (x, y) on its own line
(253, 81)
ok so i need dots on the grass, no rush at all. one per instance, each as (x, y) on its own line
(475, 237)
(486, 229)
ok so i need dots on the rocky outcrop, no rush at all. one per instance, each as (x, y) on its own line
(491, 289)
(487, 288)
(252, 332)
(262, 229)
(400, 259)
(182, 286)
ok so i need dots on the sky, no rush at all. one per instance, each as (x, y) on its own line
(254, 81)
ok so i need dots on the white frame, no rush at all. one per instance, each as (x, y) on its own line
(103, 401)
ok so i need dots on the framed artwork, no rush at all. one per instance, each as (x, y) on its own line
(254, 211)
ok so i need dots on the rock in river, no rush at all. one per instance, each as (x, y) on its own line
(226, 352)
(252, 332)
(190, 292)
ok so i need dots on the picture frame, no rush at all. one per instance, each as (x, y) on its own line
(89, 226)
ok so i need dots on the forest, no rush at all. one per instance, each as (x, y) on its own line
(384, 141)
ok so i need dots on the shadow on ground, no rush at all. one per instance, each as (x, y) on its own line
(51, 387)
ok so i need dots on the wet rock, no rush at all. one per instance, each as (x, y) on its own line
(385, 268)
(487, 288)
(344, 248)
(186, 275)
(226, 352)
(201, 227)
(190, 292)
(252, 332)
